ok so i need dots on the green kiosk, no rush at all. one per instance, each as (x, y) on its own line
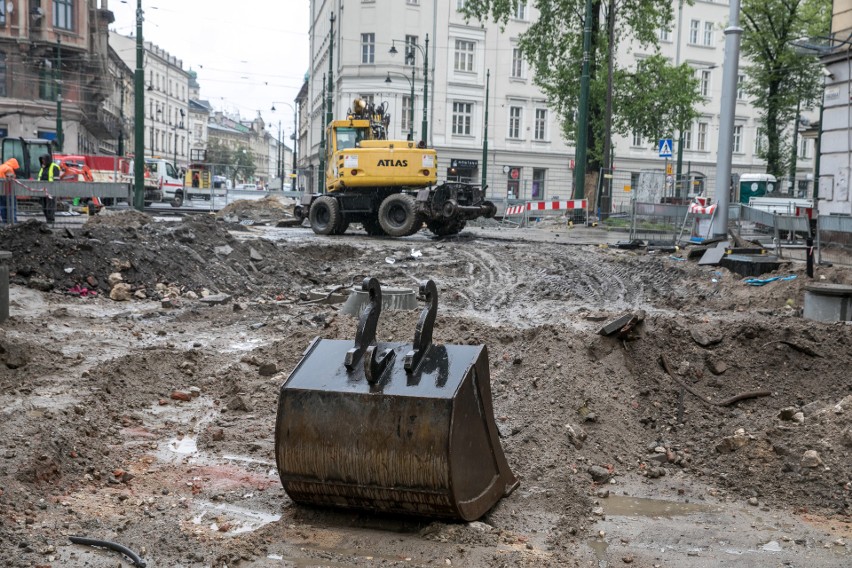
(755, 185)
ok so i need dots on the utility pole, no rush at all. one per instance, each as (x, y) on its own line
(583, 111)
(678, 184)
(60, 134)
(120, 151)
(425, 126)
(330, 92)
(604, 184)
(321, 180)
(295, 141)
(139, 118)
(485, 130)
(733, 34)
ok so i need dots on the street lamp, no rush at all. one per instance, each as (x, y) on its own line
(409, 56)
(182, 114)
(60, 134)
(410, 101)
(295, 139)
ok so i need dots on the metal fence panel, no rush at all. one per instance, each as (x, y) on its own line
(834, 239)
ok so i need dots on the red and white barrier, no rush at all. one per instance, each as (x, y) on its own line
(568, 205)
(701, 208)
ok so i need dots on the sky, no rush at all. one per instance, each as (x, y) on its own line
(248, 54)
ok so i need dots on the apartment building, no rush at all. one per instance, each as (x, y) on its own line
(166, 98)
(57, 78)
(528, 157)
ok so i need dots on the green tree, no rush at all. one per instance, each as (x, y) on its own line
(243, 163)
(219, 157)
(553, 45)
(778, 79)
(657, 99)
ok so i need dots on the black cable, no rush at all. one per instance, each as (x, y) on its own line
(110, 545)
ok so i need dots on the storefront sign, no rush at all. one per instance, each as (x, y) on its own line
(464, 164)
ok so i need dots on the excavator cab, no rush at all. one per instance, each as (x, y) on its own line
(404, 428)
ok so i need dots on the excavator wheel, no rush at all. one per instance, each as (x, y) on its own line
(398, 215)
(373, 227)
(325, 215)
(445, 228)
(341, 226)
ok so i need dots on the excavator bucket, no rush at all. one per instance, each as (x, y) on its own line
(392, 427)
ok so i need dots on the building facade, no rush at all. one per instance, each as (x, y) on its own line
(835, 197)
(166, 99)
(528, 157)
(56, 74)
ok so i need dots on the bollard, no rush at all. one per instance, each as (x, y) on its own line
(809, 266)
(4, 285)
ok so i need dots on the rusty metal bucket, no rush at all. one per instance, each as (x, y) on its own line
(392, 427)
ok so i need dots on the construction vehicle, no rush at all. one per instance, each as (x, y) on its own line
(389, 186)
(27, 151)
(405, 428)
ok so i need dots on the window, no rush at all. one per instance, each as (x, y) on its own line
(804, 148)
(540, 124)
(760, 141)
(520, 11)
(665, 34)
(410, 50)
(368, 48)
(704, 83)
(740, 87)
(462, 113)
(366, 98)
(464, 55)
(637, 139)
(708, 33)
(48, 87)
(702, 137)
(687, 138)
(2, 12)
(460, 4)
(63, 14)
(693, 31)
(738, 139)
(517, 63)
(514, 122)
(405, 122)
(539, 175)
(413, 2)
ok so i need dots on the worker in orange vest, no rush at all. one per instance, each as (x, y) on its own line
(7, 172)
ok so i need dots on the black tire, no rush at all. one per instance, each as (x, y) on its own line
(299, 213)
(147, 203)
(342, 226)
(325, 215)
(398, 215)
(446, 228)
(178, 200)
(373, 227)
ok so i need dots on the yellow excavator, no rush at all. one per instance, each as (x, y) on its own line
(389, 186)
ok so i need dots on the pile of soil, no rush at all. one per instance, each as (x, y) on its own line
(94, 394)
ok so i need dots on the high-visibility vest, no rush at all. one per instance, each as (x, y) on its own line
(52, 170)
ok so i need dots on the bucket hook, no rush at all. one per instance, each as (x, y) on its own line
(423, 331)
(367, 323)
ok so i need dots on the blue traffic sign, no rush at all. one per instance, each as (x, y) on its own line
(665, 147)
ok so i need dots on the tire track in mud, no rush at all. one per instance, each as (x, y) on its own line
(511, 283)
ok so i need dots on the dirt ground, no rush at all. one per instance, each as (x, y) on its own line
(140, 370)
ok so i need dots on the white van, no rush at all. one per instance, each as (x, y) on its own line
(169, 179)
